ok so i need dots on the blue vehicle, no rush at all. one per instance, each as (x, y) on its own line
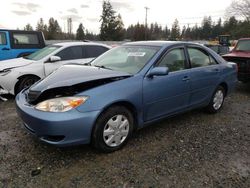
(124, 89)
(16, 43)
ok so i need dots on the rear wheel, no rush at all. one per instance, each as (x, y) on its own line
(217, 100)
(25, 82)
(113, 129)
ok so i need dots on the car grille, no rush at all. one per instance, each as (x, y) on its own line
(243, 64)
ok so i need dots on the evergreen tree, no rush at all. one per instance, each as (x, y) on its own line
(111, 25)
(28, 27)
(119, 29)
(175, 31)
(42, 27)
(139, 32)
(183, 32)
(167, 32)
(80, 32)
(206, 29)
(54, 30)
(217, 29)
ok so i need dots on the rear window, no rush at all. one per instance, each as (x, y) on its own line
(3, 38)
(23, 38)
(70, 53)
(94, 51)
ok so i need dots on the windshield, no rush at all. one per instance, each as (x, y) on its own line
(130, 59)
(243, 45)
(42, 53)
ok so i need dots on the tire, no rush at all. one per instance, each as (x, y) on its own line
(217, 100)
(25, 82)
(108, 134)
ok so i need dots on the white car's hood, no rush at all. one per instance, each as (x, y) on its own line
(13, 63)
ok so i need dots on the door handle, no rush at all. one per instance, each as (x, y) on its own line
(185, 78)
(5, 49)
(216, 70)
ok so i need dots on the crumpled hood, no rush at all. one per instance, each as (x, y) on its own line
(14, 63)
(69, 75)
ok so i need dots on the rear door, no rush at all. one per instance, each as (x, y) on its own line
(204, 75)
(73, 54)
(5, 51)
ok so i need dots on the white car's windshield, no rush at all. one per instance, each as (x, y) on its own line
(130, 59)
(42, 53)
(243, 45)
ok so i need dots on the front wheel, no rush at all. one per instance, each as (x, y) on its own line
(113, 129)
(25, 82)
(217, 100)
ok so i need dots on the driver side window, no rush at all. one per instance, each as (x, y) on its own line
(174, 60)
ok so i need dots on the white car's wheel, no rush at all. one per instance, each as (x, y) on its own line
(25, 82)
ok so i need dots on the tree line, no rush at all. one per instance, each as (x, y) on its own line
(112, 27)
(53, 31)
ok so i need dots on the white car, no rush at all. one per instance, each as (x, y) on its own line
(17, 74)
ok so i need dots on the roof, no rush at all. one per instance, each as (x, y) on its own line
(15, 30)
(66, 44)
(158, 43)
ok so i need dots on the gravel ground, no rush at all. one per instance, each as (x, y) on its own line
(191, 150)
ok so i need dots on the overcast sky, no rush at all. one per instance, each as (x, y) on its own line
(16, 14)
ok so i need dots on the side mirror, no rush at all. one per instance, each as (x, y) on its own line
(158, 71)
(54, 59)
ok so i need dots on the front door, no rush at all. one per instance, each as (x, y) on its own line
(166, 95)
(5, 51)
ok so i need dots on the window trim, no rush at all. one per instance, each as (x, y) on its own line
(4, 44)
(202, 50)
(186, 64)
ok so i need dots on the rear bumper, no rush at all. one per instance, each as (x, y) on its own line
(59, 129)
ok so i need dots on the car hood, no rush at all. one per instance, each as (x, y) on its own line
(236, 54)
(14, 63)
(69, 75)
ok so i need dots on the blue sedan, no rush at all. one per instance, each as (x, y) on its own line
(124, 89)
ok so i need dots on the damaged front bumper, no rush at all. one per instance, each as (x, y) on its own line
(59, 129)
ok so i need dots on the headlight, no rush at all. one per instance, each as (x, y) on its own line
(62, 104)
(5, 72)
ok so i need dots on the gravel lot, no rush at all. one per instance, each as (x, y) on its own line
(191, 150)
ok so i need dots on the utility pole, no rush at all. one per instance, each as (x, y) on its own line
(146, 24)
